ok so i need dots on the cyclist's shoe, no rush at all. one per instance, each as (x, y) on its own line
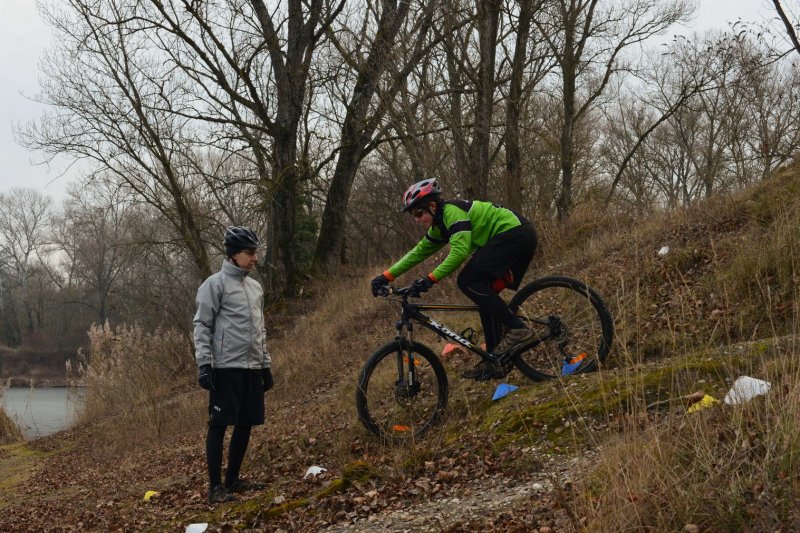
(512, 339)
(243, 485)
(219, 494)
(484, 371)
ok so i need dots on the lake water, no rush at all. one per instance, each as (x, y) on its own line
(41, 411)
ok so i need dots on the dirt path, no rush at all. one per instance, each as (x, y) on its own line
(530, 502)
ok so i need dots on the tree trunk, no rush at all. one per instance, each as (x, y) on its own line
(564, 201)
(513, 185)
(488, 20)
(283, 215)
(355, 135)
(328, 253)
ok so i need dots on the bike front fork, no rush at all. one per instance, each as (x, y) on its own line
(407, 386)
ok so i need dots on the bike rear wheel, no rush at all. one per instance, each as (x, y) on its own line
(394, 406)
(571, 322)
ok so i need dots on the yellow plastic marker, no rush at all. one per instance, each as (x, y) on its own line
(707, 401)
(149, 494)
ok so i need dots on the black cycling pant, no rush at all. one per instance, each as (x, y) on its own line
(511, 251)
(236, 449)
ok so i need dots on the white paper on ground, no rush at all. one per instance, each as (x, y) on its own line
(745, 389)
(314, 470)
(196, 528)
(663, 251)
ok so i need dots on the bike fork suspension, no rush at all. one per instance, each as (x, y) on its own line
(406, 363)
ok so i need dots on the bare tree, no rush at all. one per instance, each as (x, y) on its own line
(23, 221)
(251, 67)
(771, 108)
(529, 66)
(106, 85)
(469, 35)
(488, 20)
(791, 28)
(686, 70)
(100, 224)
(588, 39)
(362, 120)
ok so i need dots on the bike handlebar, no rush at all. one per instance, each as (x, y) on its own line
(391, 290)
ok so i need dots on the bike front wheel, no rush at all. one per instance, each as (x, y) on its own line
(573, 327)
(402, 391)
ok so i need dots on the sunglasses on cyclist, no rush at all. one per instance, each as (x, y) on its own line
(417, 213)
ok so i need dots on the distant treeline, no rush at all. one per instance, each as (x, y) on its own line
(25, 368)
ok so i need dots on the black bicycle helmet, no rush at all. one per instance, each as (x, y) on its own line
(238, 238)
(420, 193)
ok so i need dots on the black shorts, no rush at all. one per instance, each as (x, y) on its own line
(511, 250)
(237, 398)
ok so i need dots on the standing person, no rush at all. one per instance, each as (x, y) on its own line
(502, 244)
(231, 351)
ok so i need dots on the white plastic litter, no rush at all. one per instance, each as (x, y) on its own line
(663, 251)
(745, 389)
(196, 528)
(314, 471)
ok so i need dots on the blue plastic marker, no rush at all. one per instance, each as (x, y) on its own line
(572, 364)
(502, 390)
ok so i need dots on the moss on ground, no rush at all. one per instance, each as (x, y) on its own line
(245, 514)
(356, 472)
(563, 413)
(18, 462)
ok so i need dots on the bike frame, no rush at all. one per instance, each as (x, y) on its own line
(412, 312)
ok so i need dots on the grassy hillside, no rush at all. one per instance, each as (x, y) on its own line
(608, 451)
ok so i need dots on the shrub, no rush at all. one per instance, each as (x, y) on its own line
(9, 431)
(132, 378)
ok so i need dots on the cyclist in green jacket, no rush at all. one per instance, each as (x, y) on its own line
(501, 244)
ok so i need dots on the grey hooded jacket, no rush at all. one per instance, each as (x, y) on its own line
(229, 327)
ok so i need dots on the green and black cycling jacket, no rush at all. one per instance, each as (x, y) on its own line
(466, 226)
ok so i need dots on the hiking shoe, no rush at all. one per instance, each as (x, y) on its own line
(219, 494)
(242, 485)
(512, 339)
(484, 371)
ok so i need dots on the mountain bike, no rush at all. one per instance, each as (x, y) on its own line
(402, 388)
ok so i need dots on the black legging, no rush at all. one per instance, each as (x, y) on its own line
(511, 250)
(494, 312)
(214, 441)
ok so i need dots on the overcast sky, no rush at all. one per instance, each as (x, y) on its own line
(24, 36)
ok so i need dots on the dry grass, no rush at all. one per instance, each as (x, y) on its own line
(9, 431)
(731, 276)
(133, 382)
(725, 468)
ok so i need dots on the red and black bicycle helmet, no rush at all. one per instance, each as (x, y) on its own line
(420, 193)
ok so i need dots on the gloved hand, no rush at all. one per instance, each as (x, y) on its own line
(266, 377)
(204, 378)
(378, 283)
(421, 285)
